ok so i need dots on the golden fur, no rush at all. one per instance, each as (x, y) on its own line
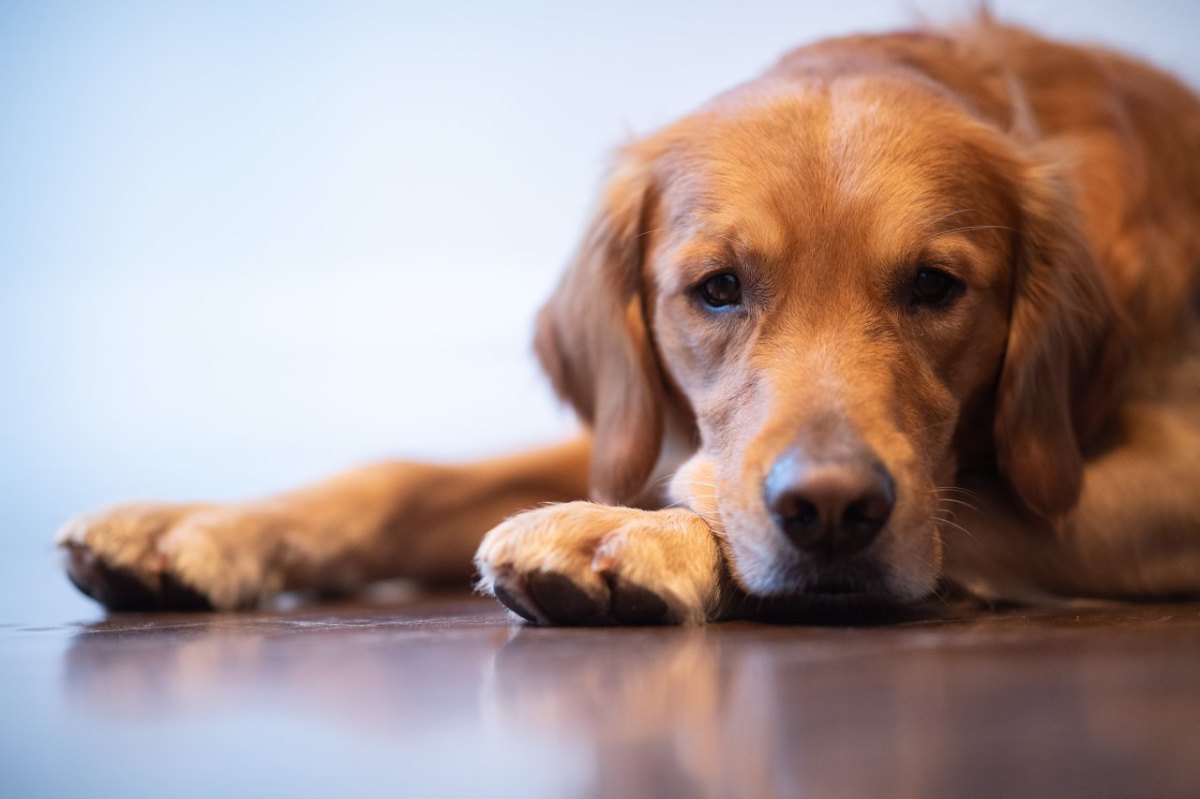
(1042, 431)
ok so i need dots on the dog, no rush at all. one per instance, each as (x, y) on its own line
(906, 311)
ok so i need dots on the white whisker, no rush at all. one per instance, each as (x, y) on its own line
(957, 526)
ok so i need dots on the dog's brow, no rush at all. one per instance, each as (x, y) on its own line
(946, 226)
(704, 251)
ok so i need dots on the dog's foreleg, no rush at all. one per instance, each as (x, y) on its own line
(387, 520)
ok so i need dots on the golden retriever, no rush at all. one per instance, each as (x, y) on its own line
(905, 309)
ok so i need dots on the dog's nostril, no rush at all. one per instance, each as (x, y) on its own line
(799, 518)
(863, 520)
(796, 510)
(807, 514)
(856, 515)
(809, 525)
(870, 512)
(831, 508)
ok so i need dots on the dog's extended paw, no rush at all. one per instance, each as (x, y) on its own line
(582, 563)
(113, 556)
(172, 557)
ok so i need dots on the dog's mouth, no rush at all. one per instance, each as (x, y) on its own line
(841, 579)
(836, 589)
(842, 594)
(839, 596)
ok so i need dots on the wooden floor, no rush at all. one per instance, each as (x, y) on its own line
(443, 696)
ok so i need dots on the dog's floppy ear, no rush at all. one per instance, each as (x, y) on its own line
(593, 341)
(1067, 346)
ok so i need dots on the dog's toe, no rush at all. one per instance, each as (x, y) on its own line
(122, 589)
(177, 595)
(564, 602)
(116, 588)
(633, 604)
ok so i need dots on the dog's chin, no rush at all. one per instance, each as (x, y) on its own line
(792, 588)
(825, 593)
(825, 602)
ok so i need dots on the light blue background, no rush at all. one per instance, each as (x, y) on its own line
(246, 244)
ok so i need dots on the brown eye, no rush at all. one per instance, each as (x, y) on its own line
(721, 290)
(933, 288)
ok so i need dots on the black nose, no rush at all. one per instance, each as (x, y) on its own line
(829, 507)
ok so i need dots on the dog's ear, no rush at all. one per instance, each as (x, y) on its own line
(1067, 349)
(593, 342)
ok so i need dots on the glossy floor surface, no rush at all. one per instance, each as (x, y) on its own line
(443, 696)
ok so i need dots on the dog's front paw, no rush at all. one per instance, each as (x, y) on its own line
(582, 563)
(173, 557)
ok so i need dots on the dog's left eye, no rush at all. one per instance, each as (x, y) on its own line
(721, 290)
(933, 288)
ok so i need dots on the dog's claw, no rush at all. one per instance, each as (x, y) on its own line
(510, 601)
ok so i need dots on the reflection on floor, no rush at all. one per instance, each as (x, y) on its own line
(443, 696)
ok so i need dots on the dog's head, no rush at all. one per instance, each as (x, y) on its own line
(845, 290)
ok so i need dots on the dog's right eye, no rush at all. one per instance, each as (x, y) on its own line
(933, 288)
(721, 290)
